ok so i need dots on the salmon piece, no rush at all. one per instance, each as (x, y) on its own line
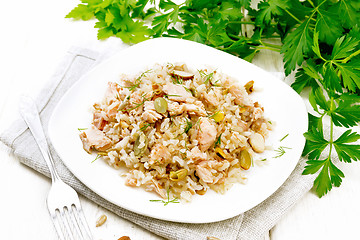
(99, 120)
(175, 108)
(195, 109)
(240, 94)
(204, 174)
(131, 182)
(150, 115)
(112, 92)
(177, 93)
(135, 98)
(196, 155)
(258, 112)
(94, 138)
(159, 154)
(112, 110)
(206, 135)
(158, 189)
(210, 99)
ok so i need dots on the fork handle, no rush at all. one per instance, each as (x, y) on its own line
(31, 116)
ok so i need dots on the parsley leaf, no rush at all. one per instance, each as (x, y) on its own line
(269, 9)
(329, 175)
(315, 143)
(296, 45)
(82, 12)
(347, 152)
(347, 113)
(329, 30)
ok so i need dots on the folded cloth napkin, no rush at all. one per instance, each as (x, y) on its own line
(251, 225)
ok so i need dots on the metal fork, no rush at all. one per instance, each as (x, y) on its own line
(62, 201)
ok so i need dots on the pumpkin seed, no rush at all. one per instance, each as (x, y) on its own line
(245, 159)
(201, 192)
(140, 144)
(160, 105)
(101, 220)
(249, 86)
(178, 175)
(220, 153)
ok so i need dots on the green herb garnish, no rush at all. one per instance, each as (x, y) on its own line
(82, 129)
(218, 141)
(280, 151)
(143, 128)
(137, 104)
(284, 137)
(96, 158)
(175, 200)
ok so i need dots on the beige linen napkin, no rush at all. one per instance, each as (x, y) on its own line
(251, 225)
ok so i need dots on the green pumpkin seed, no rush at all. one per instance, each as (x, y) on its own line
(178, 175)
(245, 159)
(140, 144)
(160, 105)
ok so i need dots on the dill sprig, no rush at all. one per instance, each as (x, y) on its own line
(138, 104)
(143, 128)
(174, 200)
(280, 151)
(188, 126)
(218, 141)
(138, 81)
(96, 158)
(176, 79)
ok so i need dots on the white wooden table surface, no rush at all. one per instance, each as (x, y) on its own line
(34, 38)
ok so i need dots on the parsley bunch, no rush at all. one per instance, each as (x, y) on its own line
(318, 39)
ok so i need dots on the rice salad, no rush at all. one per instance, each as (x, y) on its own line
(177, 131)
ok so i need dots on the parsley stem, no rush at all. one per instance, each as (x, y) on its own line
(292, 15)
(331, 137)
(268, 48)
(271, 45)
(351, 56)
(311, 3)
(242, 22)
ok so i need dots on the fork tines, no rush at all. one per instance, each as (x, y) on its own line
(70, 223)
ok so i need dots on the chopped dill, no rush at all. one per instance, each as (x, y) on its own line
(208, 77)
(176, 79)
(284, 137)
(175, 200)
(138, 81)
(82, 129)
(188, 126)
(143, 128)
(97, 157)
(218, 141)
(171, 95)
(210, 116)
(137, 104)
(280, 151)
